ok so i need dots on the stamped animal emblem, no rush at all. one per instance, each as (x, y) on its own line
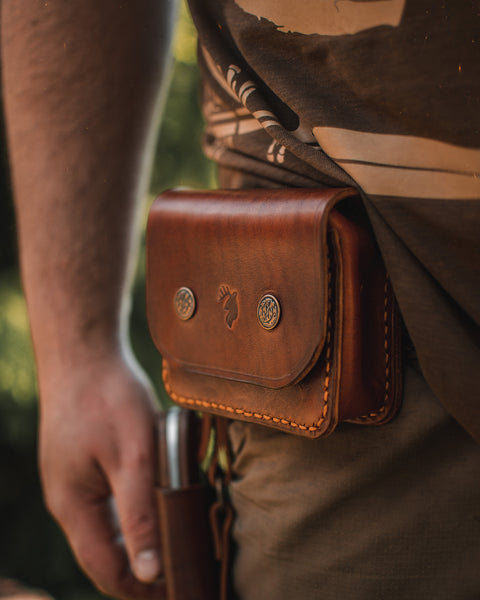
(230, 304)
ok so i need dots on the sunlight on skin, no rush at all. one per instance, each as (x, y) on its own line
(17, 375)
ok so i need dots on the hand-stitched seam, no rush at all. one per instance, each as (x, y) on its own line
(329, 345)
(206, 404)
(387, 358)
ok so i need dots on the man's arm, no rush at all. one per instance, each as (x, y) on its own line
(81, 88)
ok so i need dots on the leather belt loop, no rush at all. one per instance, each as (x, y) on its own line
(204, 445)
(221, 512)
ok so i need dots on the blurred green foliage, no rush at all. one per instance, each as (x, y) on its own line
(32, 549)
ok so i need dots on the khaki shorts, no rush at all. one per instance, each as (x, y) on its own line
(368, 513)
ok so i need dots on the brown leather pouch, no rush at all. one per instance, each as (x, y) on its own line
(274, 307)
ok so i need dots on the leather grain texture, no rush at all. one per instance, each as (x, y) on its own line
(334, 354)
(189, 566)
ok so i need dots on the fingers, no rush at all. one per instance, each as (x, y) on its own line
(95, 442)
(134, 494)
(102, 556)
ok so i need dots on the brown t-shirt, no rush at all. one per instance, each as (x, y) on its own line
(383, 95)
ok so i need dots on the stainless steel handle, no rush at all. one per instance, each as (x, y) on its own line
(172, 431)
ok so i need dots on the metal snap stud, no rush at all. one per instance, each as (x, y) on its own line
(184, 303)
(268, 311)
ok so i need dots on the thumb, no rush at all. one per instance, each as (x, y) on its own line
(133, 490)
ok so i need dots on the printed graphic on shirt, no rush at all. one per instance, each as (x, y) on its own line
(237, 83)
(225, 125)
(404, 166)
(326, 17)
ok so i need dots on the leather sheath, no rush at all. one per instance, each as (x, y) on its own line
(189, 566)
(183, 505)
(333, 352)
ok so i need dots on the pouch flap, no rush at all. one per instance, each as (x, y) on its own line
(237, 281)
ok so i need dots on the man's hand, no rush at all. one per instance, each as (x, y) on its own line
(82, 83)
(97, 441)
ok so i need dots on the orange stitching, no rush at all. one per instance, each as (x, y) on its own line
(387, 355)
(387, 358)
(326, 382)
(199, 402)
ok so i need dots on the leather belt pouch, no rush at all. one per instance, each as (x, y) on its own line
(274, 307)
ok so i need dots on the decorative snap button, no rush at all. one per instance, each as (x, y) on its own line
(184, 303)
(268, 311)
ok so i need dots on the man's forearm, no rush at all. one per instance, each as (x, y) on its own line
(81, 87)
(82, 81)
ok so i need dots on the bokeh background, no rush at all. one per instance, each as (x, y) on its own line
(32, 549)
